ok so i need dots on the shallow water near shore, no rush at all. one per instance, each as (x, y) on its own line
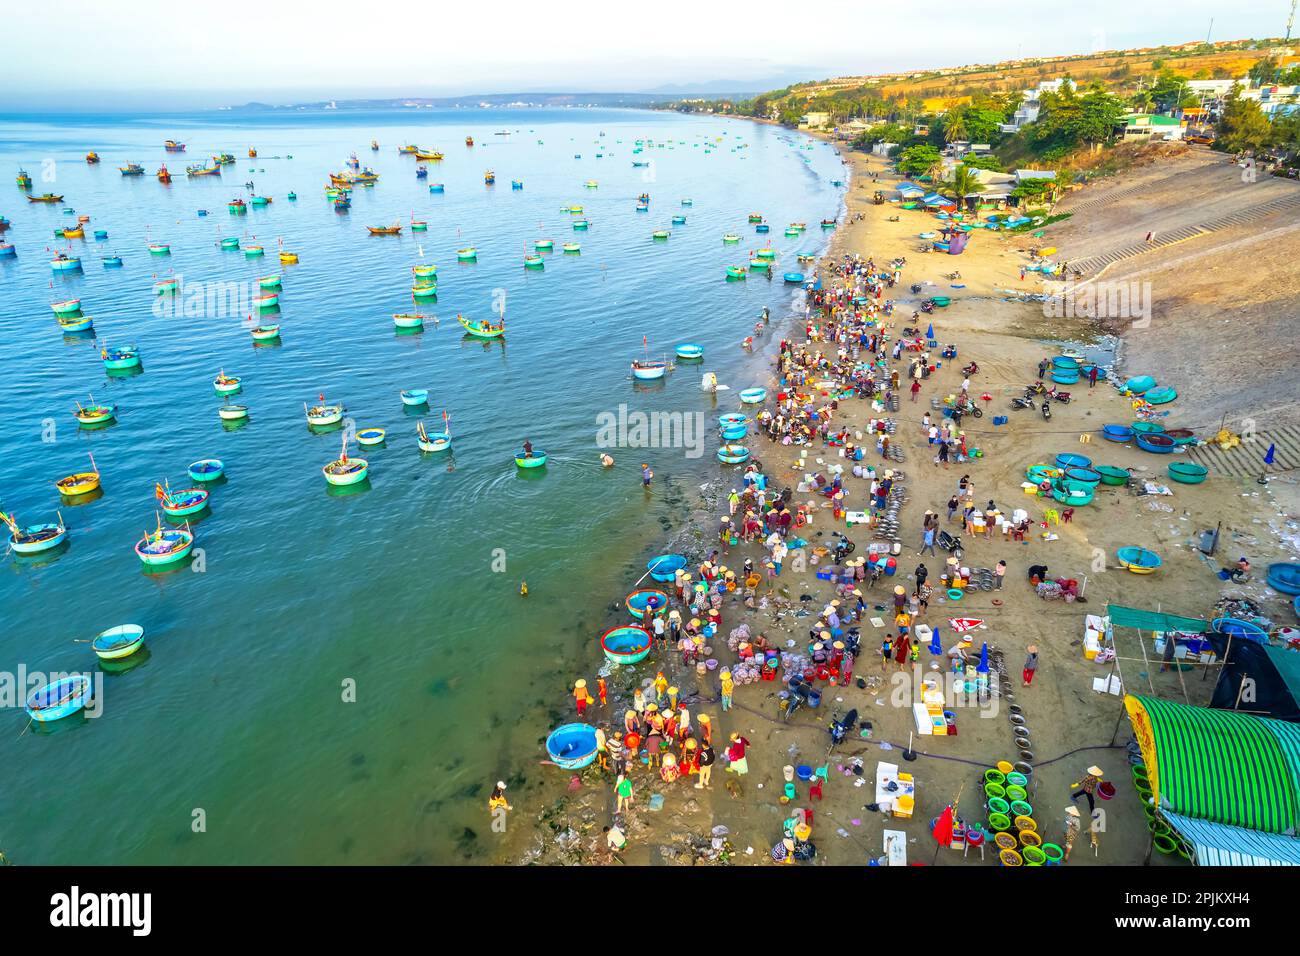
(238, 710)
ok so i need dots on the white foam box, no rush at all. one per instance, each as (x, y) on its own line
(921, 716)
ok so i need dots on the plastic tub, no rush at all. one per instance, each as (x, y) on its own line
(1016, 795)
(995, 776)
(1021, 809)
(1110, 475)
(1033, 856)
(998, 805)
(1116, 432)
(999, 822)
(1053, 853)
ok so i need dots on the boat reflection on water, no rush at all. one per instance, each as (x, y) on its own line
(343, 491)
(124, 664)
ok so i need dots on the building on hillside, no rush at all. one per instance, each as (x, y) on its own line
(814, 120)
(1210, 88)
(1145, 127)
(1024, 174)
(1277, 101)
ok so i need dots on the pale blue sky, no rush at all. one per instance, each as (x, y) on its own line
(103, 53)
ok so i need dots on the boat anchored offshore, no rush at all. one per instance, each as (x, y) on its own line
(96, 413)
(80, 483)
(436, 442)
(60, 698)
(344, 470)
(35, 538)
(322, 414)
(481, 328)
(182, 503)
(118, 642)
(164, 546)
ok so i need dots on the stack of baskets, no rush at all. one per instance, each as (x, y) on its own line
(1011, 820)
(1164, 838)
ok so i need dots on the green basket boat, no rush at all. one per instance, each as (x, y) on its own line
(1147, 428)
(1110, 475)
(1187, 473)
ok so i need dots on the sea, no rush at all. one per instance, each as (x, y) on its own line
(339, 676)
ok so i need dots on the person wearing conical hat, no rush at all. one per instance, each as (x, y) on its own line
(706, 728)
(1072, 826)
(1087, 787)
(661, 685)
(581, 698)
(497, 801)
(669, 771)
(728, 688)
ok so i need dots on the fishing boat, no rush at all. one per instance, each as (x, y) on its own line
(643, 207)
(7, 250)
(419, 225)
(626, 644)
(164, 545)
(254, 252)
(1161, 395)
(1139, 560)
(268, 300)
(45, 198)
(179, 504)
(118, 642)
(67, 307)
(78, 232)
(753, 396)
(124, 357)
(755, 218)
(166, 286)
(199, 169)
(92, 158)
(159, 249)
(828, 223)
(232, 413)
(226, 384)
(174, 147)
(392, 230)
(736, 272)
(679, 220)
(163, 175)
(730, 238)
(424, 271)
(572, 247)
(426, 289)
(468, 254)
(237, 207)
(733, 454)
(795, 278)
(260, 201)
(96, 413)
(1139, 384)
(269, 282)
(224, 159)
(660, 234)
(35, 538)
(408, 149)
(645, 601)
(580, 225)
(572, 210)
(541, 245)
(690, 352)
(437, 188)
(62, 698)
(534, 262)
(415, 396)
(763, 228)
(481, 328)
(207, 469)
(288, 258)
(760, 265)
(591, 184)
(489, 177)
(65, 263)
(1284, 576)
(408, 320)
(516, 184)
(323, 414)
(469, 140)
(265, 333)
(344, 470)
(1156, 443)
(131, 169)
(23, 179)
(439, 441)
(79, 483)
(536, 460)
(664, 568)
(648, 369)
(292, 196)
(572, 746)
(432, 155)
(230, 243)
(371, 436)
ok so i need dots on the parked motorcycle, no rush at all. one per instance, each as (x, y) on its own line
(1047, 410)
(954, 276)
(793, 698)
(927, 307)
(970, 369)
(949, 542)
(1032, 391)
(841, 727)
(1057, 395)
(1018, 403)
(916, 287)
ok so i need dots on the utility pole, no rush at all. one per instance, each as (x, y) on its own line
(1211, 29)
(1289, 21)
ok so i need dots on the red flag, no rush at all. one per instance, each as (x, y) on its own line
(158, 492)
(943, 827)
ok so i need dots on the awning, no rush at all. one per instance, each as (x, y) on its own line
(1154, 620)
(1217, 844)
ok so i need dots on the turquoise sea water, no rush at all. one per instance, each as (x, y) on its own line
(237, 707)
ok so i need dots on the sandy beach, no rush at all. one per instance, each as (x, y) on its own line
(1071, 725)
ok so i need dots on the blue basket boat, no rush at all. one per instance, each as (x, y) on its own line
(128, 356)
(689, 351)
(537, 461)
(1187, 473)
(1065, 362)
(665, 566)
(1242, 630)
(626, 644)
(572, 746)
(794, 277)
(1082, 476)
(1162, 395)
(1285, 577)
(118, 642)
(639, 601)
(1065, 378)
(1140, 384)
(1120, 433)
(733, 454)
(207, 469)
(415, 396)
(732, 433)
(1156, 443)
(732, 418)
(1068, 460)
(60, 699)
(763, 227)
(1139, 560)
(753, 396)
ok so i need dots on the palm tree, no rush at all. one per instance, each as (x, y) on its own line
(964, 182)
(954, 127)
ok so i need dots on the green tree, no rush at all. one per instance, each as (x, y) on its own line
(1243, 127)
(1262, 71)
(918, 160)
(963, 182)
(954, 126)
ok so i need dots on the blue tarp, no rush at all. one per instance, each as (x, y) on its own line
(1218, 844)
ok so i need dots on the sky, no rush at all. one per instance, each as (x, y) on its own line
(192, 56)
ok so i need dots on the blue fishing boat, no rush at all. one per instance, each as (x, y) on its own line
(762, 227)
(690, 352)
(111, 262)
(1077, 496)
(437, 188)
(1187, 472)
(572, 746)
(1139, 384)
(321, 415)
(645, 601)
(344, 470)
(1284, 576)
(7, 250)
(1139, 560)
(679, 220)
(127, 356)
(1162, 395)
(1119, 433)
(78, 323)
(65, 263)
(1066, 460)
(371, 436)
(34, 538)
(60, 699)
(118, 642)
(182, 503)
(732, 433)
(415, 396)
(732, 418)
(207, 469)
(408, 320)
(164, 546)
(437, 441)
(101, 235)
(1241, 630)
(794, 277)
(1081, 476)
(626, 644)
(665, 567)
(753, 396)
(1156, 443)
(648, 369)
(733, 454)
(536, 460)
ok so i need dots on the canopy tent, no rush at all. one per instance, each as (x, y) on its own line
(909, 190)
(1154, 620)
(1219, 767)
(1257, 678)
(1217, 844)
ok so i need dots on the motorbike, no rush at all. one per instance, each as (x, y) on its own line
(970, 369)
(794, 697)
(1038, 388)
(949, 542)
(927, 307)
(1019, 403)
(1059, 396)
(911, 329)
(916, 287)
(843, 547)
(841, 727)
(1047, 410)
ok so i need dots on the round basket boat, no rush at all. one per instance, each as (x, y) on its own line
(753, 396)
(572, 746)
(207, 469)
(1147, 428)
(794, 278)
(371, 436)
(942, 301)
(1040, 473)
(537, 461)
(118, 642)
(665, 566)
(1243, 630)
(1284, 576)
(1119, 433)
(1083, 476)
(626, 644)
(732, 433)
(638, 602)
(1139, 560)
(1067, 460)
(1110, 475)
(1162, 395)
(733, 454)
(732, 418)
(1186, 472)
(1181, 436)
(690, 352)
(1140, 384)
(1065, 362)
(60, 698)
(1156, 443)
(1073, 497)
(1065, 378)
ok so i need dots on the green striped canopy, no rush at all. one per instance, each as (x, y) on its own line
(1219, 765)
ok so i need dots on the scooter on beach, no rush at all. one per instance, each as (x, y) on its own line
(949, 542)
(1057, 395)
(794, 697)
(970, 369)
(927, 307)
(1019, 403)
(840, 728)
(1047, 410)
(1038, 388)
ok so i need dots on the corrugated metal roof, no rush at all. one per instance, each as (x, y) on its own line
(1217, 844)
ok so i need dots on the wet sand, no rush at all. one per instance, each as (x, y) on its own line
(1071, 726)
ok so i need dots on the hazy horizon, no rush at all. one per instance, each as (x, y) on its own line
(298, 52)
